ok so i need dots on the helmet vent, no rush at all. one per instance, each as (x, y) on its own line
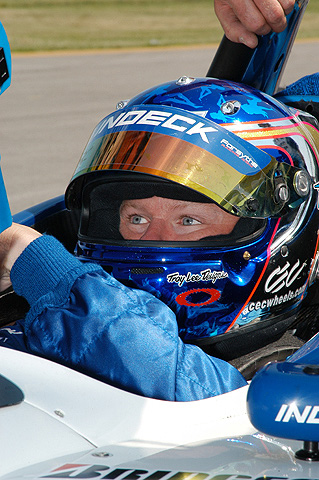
(147, 271)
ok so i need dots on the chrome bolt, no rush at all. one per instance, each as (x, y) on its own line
(185, 80)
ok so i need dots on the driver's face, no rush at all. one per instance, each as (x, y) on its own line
(165, 219)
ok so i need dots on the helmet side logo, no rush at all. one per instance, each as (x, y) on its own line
(204, 276)
(283, 277)
(246, 158)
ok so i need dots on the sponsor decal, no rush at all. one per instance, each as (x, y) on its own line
(283, 276)
(280, 278)
(309, 414)
(190, 128)
(171, 121)
(197, 130)
(246, 158)
(99, 472)
(212, 292)
(204, 276)
(273, 301)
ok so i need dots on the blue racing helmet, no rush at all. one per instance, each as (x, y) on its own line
(5, 80)
(212, 142)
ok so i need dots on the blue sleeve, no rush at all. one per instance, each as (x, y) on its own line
(83, 318)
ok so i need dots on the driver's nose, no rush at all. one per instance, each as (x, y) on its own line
(159, 229)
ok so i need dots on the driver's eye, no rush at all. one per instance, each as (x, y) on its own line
(137, 219)
(190, 221)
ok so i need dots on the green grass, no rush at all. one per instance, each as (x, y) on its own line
(44, 25)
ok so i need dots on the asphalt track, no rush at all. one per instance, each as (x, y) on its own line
(56, 100)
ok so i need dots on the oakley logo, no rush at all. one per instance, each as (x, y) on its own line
(291, 412)
(185, 297)
(177, 122)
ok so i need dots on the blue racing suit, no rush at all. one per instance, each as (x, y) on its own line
(83, 318)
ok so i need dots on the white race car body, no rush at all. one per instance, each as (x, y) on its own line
(71, 426)
(67, 414)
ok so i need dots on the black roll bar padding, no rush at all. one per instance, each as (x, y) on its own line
(230, 61)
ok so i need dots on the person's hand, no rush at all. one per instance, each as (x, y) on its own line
(12, 243)
(243, 20)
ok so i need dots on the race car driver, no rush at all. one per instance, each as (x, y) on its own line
(65, 324)
(169, 145)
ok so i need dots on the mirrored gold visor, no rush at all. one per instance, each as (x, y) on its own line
(261, 194)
